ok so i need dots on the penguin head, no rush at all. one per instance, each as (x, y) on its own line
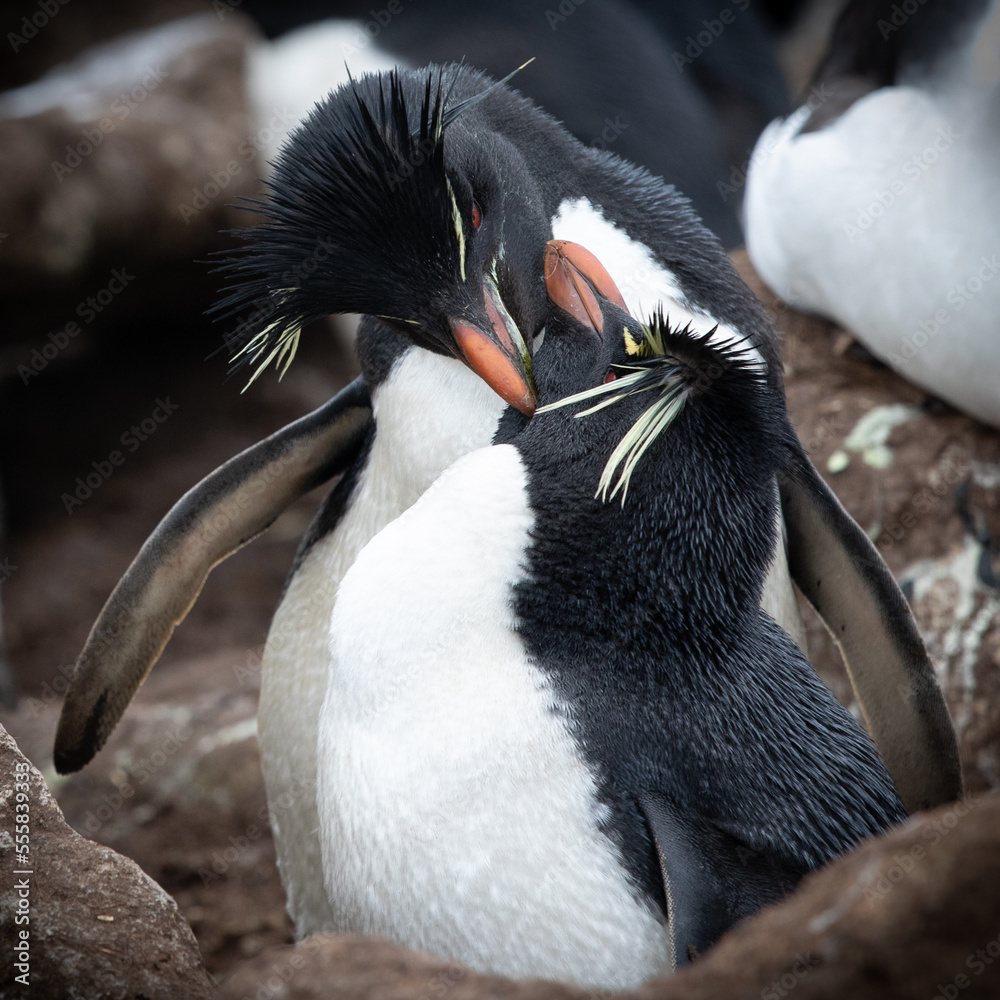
(652, 394)
(663, 443)
(401, 196)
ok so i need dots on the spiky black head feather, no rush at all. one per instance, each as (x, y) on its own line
(374, 210)
(649, 372)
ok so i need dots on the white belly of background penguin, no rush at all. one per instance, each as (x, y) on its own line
(887, 218)
(450, 783)
(297, 655)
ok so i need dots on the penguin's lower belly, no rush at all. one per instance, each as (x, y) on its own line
(457, 814)
(459, 819)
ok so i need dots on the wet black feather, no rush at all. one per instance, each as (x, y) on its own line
(647, 618)
(360, 187)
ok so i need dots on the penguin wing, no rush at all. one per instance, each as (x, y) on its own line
(848, 583)
(210, 522)
(710, 879)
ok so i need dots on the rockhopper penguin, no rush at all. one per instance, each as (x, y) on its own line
(425, 199)
(560, 737)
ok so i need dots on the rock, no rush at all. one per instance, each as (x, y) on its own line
(98, 926)
(327, 966)
(178, 789)
(901, 459)
(914, 914)
(137, 147)
(911, 913)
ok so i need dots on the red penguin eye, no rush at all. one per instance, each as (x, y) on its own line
(610, 377)
(477, 216)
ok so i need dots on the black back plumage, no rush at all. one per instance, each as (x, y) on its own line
(628, 76)
(877, 42)
(646, 617)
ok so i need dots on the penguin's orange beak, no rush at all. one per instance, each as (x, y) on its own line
(572, 277)
(500, 357)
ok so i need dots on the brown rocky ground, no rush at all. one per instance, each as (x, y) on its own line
(79, 921)
(912, 915)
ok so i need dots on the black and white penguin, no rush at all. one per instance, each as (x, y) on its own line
(426, 202)
(876, 202)
(560, 738)
(695, 103)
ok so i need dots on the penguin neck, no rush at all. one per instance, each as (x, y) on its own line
(429, 411)
(684, 555)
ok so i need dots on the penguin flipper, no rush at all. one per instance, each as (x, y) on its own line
(710, 879)
(844, 578)
(210, 522)
(696, 909)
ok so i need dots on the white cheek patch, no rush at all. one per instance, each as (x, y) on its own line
(645, 283)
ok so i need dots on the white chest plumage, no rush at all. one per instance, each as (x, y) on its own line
(429, 412)
(886, 220)
(457, 814)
